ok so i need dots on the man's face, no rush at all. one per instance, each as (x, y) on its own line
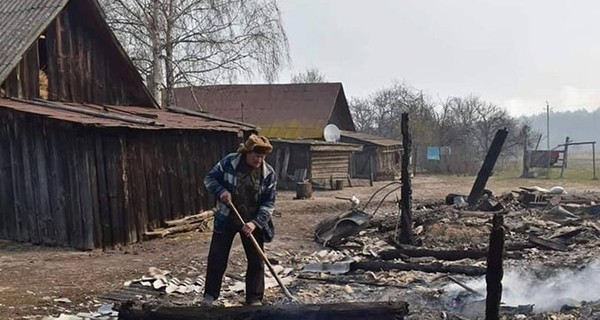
(254, 159)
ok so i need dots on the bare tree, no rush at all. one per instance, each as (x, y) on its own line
(192, 42)
(311, 75)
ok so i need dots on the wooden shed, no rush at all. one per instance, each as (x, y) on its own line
(319, 162)
(89, 160)
(380, 157)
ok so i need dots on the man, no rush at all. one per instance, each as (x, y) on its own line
(245, 179)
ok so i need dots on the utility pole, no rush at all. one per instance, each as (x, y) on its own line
(548, 139)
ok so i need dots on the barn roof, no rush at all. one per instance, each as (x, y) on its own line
(280, 110)
(366, 138)
(122, 116)
(23, 21)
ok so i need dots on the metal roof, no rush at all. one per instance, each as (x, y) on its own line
(119, 116)
(280, 110)
(23, 21)
(371, 139)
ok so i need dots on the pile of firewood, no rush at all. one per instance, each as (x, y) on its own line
(202, 221)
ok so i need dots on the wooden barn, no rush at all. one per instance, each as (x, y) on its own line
(87, 158)
(379, 158)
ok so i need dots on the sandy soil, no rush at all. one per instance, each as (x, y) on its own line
(32, 277)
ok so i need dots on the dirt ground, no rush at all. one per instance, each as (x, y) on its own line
(32, 278)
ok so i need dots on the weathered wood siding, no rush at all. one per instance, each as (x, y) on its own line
(325, 165)
(87, 188)
(381, 161)
(81, 62)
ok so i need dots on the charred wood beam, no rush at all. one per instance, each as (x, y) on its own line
(340, 281)
(495, 271)
(487, 167)
(406, 233)
(340, 311)
(448, 255)
(429, 268)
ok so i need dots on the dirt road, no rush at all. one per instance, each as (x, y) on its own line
(32, 278)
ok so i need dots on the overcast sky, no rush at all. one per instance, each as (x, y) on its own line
(516, 53)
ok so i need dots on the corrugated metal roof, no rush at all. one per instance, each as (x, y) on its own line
(21, 22)
(280, 110)
(133, 117)
(368, 138)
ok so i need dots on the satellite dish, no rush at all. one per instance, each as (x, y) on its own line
(331, 133)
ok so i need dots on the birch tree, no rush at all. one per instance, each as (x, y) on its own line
(195, 42)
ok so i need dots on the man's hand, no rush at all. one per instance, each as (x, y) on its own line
(248, 228)
(225, 197)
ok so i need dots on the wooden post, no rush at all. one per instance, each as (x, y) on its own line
(525, 173)
(371, 171)
(564, 163)
(594, 160)
(495, 272)
(406, 234)
(487, 167)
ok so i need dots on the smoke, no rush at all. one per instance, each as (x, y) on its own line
(547, 289)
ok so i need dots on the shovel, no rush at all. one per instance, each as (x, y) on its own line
(262, 254)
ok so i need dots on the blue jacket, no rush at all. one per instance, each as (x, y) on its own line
(222, 177)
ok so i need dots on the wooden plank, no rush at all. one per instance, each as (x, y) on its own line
(125, 204)
(58, 174)
(75, 220)
(131, 184)
(62, 24)
(42, 181)
(142, 189)
(150, 172)
(163, 181)
(193, 181)
(85, 193)
(52, 61)
(112, 149)
(183, 173)
(30, 196)
(175, 199)
(90, 149)
(103, 193)
(16, 220)
(6, 197)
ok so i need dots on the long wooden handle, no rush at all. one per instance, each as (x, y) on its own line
(263, 255)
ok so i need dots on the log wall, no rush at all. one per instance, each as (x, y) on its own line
(86, 188)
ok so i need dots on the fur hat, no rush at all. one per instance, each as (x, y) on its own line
(256, 143)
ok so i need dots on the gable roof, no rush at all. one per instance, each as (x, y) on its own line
(23, 21)
(279, 110)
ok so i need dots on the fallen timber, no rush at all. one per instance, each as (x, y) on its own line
(448, 255)
(340, 311)
(429, 268)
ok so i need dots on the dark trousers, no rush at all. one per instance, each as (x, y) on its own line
(218, 256)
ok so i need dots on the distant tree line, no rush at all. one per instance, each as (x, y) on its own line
(466, 125)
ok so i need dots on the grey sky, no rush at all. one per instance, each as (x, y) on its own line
(517, 54)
